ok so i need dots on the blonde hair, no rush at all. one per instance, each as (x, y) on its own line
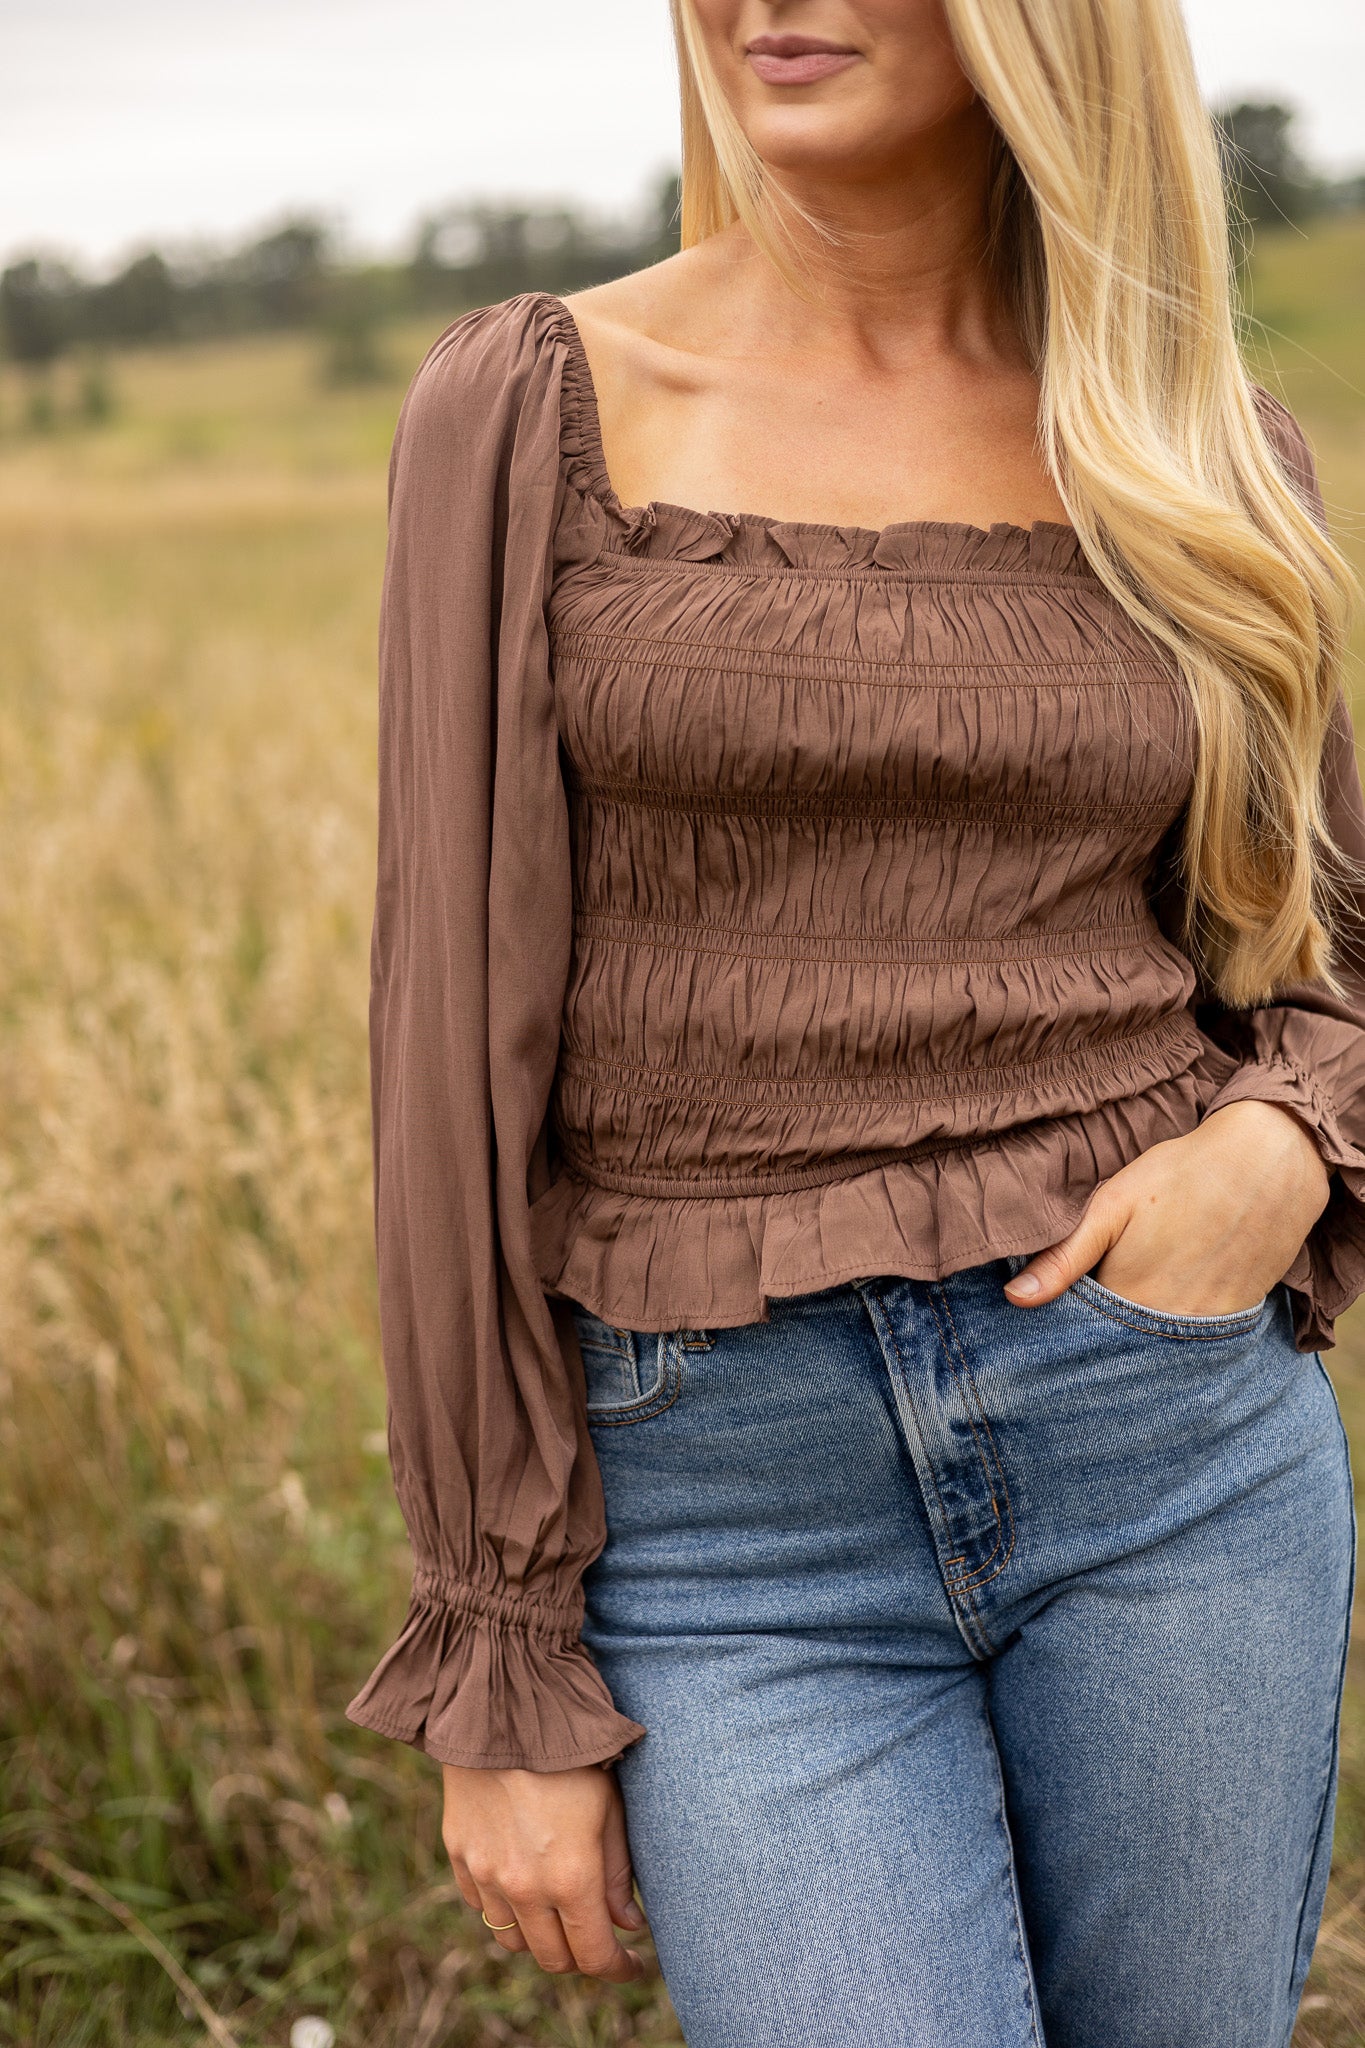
(1109, 229)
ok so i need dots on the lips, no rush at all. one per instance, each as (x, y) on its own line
(796, 60)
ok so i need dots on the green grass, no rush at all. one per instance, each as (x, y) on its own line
(200, 1555)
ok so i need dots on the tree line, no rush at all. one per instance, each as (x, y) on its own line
(474, 253)
(467, 254)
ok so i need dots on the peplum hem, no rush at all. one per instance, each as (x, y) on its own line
(467, 1685)
(682, 1262)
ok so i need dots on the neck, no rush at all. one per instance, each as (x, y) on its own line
(902, 260)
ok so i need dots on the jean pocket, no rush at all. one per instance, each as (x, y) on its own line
(629, 1375)
(1162, 1322)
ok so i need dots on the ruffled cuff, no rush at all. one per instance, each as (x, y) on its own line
(1329, 1271)
(492, 1682)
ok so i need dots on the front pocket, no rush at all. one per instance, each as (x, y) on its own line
(629, 1374)
(1162, 1322)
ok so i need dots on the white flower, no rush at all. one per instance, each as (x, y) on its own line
(336, 1809)
(311, 2033)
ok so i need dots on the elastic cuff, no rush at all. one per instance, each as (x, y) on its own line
(466, 1685)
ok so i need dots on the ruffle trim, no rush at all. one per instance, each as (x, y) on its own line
(465, 1685)
(669, 1263)
(680, 1262)
(941, 548)
(1329, 1272)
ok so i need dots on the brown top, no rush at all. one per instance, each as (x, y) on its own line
(760, 904)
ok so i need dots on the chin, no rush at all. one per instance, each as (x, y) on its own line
(820, 142)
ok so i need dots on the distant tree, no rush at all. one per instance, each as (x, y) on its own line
(470, 253)
(479, 251)
(137, 305)
(486, 250)
(33, 296)
(283, 273)
(352, 325)
(1267, 178)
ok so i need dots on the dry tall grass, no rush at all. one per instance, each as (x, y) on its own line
(199, 1552)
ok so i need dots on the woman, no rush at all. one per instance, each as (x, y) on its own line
(869, 1038)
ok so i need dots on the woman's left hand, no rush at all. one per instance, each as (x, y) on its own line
(1202, 1225)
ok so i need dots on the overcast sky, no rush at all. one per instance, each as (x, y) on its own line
(124, 124)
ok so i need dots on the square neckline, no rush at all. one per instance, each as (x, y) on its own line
(594, 449)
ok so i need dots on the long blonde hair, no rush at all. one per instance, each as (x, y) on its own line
(1109, 228)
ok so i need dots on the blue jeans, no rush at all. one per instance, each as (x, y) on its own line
(991, 1660)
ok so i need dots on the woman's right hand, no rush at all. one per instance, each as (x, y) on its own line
(548, 1850)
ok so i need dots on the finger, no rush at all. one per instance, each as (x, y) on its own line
(502, 1920)
(597, 1952)
(1050, 1272)
(620, 1889)
(543, 1934)
(468, 1890)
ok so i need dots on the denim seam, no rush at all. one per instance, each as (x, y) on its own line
(1160, 1329)
(987, 1644)
(670, 1382)
(1020, 1943)
(963, 1618)
(620, 1351)
(975, 1394)
(624, 1349)
(980, 1576)
(1335, 1749)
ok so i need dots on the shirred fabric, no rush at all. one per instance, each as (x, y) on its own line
(488, 1439)
(761, 905)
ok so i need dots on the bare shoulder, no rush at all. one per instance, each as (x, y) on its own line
(657, 326)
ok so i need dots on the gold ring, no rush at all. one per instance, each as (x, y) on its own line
(488, 1923)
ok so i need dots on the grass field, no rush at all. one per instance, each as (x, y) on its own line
(199, 1551)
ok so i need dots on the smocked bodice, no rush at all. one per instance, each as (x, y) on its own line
(863, 826)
